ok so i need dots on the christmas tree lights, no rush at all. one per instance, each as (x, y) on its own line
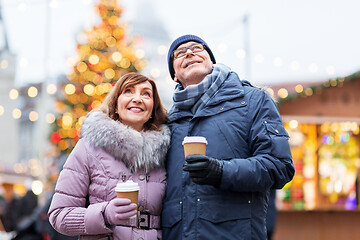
(106, 54)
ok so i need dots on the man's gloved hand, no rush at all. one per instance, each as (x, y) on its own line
(118, 210)
(204, 170)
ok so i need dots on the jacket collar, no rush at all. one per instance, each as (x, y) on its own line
(138, 150)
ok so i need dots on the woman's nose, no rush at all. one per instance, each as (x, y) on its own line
(137, 98)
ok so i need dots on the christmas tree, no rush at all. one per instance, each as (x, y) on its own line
(107, 54)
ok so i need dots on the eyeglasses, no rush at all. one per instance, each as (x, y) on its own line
(195, 48)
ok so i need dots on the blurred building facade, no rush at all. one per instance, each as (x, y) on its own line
(8, 128)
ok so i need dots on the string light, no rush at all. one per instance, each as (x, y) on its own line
(32, 92)
(16, 113)
(4, 64)
(33, 116)
(51, 89)
(50, 118)
(283, 93)
(13, 94)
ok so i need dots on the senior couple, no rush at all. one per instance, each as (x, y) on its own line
(221, 195)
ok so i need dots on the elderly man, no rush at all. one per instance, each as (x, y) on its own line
(223, 194)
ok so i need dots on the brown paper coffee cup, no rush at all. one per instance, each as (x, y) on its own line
(194, 145)
(128, 189)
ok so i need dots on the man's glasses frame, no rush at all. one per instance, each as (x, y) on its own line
(181, 52)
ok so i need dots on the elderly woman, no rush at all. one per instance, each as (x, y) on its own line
(125, 139)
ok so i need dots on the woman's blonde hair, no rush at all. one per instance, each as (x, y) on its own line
(109, 106)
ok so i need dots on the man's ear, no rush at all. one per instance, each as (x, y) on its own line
(175, 78)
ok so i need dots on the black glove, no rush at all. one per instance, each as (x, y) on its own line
(204, 170)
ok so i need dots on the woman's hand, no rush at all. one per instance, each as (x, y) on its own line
(118, 210)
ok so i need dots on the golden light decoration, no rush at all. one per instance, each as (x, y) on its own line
(33, 116)
(110, 41)
(81, 120)
(2, 110)
(13, 94)
(116, 56)
(67, 120)
(269, 90)
(283, 93)
(124, 63)
(16, 113)
(299, 88)
(309, 92)
(95, 104)
(84, 98)
(107, 87)
(37, 187)
(118, 33)
(63, 144)
(293, 124)
(333, 82)
(94, 59)
(89, 89)
(109, 73)
(32, 92)
(99, 89)
(69, 89)
(81, 67)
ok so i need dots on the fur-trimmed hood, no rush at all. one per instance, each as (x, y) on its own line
(138, 150)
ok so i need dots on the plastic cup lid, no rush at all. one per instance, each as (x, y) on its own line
(127, 186)
(194, 139)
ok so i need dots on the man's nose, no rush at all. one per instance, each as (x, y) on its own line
(189, 51)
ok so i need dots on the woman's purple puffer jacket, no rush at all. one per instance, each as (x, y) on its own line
(107, 152)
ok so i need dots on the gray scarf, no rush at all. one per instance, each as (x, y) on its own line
(194, 97)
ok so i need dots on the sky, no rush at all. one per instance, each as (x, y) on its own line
(284, 40)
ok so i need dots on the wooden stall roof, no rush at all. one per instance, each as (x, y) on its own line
(337, 98)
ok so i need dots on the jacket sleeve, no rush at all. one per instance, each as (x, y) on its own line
(270, 162)
(67, 213)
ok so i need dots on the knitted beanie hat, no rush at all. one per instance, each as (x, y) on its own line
(184, 39)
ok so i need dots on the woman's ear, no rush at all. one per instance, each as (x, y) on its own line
(175, 78)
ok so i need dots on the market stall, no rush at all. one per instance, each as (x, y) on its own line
(322, 201)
